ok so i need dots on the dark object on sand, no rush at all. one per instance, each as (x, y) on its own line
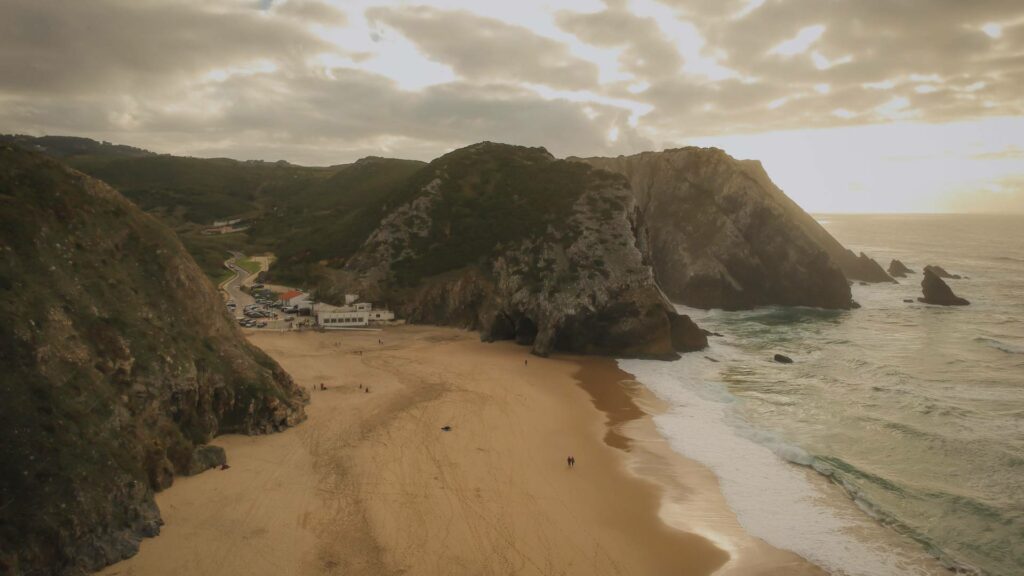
(446, 428)
(225, 466)
(898, 270)
(781, 359)
(938, 292)
(941, 272)
(910, 300)
(712, 359)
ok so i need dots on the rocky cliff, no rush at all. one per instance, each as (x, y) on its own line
(514, 243)
(720, 235)
(935, 291)
(898, 269)
(859, 267)
(117, 363)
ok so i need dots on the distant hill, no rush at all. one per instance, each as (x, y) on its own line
(118, 363)
(717, 231)
(719, 237)
(305, 215)
(509, 241)
(72, 146)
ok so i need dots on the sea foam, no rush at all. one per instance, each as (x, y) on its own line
(773, 499)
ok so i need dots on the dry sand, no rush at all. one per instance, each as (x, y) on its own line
(370, 484)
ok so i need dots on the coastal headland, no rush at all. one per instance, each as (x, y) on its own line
(372, 483)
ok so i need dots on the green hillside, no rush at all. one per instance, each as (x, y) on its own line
(308, 216)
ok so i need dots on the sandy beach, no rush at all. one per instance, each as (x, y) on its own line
(371, 484)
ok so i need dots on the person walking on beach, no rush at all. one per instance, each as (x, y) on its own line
(568, 461)
(572, 461)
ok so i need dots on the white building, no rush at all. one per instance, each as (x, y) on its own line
(352, 314)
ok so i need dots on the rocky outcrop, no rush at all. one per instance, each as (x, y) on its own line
(856, 267)
(687, 336)
(782, 359)
(898, 270)
(719, 235)
(938, 292)
(941, 272)
(118, 363)
(513, 243)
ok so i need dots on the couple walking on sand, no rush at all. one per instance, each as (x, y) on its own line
(571, 461)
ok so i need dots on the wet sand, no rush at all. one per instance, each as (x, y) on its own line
(371, 484)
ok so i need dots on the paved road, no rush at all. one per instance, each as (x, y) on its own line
(233, 287)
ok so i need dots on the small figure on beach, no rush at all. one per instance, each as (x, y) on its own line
(572, 461)
(367, 389)
(446, 428)
(526, 362)
(322, 387)
(360, 386)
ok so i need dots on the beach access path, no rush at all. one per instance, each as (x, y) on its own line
(371, 484)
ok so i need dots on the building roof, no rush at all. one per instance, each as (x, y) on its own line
(289, 295)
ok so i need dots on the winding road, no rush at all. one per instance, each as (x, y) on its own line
(233, 287)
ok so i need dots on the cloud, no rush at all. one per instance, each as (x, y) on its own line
(333, 117)
(480, 48)
(123, 46)
(313, 11)
(646, 52)
(1005, 196)
(324, 81)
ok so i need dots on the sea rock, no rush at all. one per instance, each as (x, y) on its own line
(898, 270)
(686, 335)
(119, 362)
(862, 268)
(941, 272)
(938, 292)
(908, 300)
(783, 359)
(509, 241)
(719, 235)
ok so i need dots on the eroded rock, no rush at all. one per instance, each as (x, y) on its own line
(936, 291)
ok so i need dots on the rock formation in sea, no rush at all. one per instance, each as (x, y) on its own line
(118, 362)
(936, 291)
(509, 241)
(782, 359)
(941, 272)
(719, 234)
(898, 270)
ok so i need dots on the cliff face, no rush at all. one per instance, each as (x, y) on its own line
(860, 267)
(117, 363)
(509, 241)
(720, 236)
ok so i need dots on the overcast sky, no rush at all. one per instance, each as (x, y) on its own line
(855, 105)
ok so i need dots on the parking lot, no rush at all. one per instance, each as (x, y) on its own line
(265, 311)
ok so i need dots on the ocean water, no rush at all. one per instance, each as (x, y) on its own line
(916, 411)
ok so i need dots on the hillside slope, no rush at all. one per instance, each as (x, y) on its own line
(509, 241)
(117, 363)
(718, 237)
